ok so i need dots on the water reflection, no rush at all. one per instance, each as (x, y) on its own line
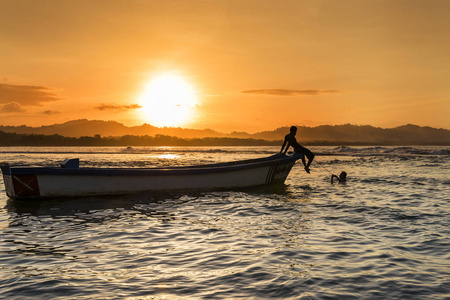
(162, 200)
(100, 208)
(55, 226)
(167, 156)
(383, 235)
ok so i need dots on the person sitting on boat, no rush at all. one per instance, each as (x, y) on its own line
(341, 179)
(289, 140)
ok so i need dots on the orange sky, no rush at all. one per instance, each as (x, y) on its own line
(254, 65)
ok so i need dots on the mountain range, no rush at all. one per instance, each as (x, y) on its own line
(336, 134)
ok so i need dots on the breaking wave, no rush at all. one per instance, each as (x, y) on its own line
(321, 150)
(380, 150)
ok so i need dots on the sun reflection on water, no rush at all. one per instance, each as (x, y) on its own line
(167, 156)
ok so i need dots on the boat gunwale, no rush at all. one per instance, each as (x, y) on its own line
(159, 171)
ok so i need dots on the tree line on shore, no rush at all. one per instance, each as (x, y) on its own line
(17, 139)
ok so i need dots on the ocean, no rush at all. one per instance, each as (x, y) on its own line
(384, 234)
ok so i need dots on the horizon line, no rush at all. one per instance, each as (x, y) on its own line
(234, 131)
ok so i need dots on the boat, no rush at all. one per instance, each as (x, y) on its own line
(70, 180)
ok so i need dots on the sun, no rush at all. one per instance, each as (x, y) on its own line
(168, 100)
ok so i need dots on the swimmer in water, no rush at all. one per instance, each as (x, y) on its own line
(341, 179)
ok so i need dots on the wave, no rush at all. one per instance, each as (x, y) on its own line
(230, 150)
(138, 150)
(256, 150)
(380, 150)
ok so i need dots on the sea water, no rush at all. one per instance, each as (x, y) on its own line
(385, 234)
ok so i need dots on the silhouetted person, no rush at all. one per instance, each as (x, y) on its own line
(289, 140)
(341, 179)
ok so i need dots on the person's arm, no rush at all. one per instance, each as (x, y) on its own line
(282, 147)
(333, 176)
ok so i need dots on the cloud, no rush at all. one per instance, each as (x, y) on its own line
(26, 94)
(285, 92)
(12, 107)
(117, 107)
(51, 112)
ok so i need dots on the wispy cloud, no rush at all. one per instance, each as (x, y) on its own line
(12, 107)
(286, 92)
(117, 107)
(26, 94)
(51, 112)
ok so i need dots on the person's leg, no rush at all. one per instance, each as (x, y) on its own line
(300, 151)
(303, 160)
(310, 157)
(306, 153)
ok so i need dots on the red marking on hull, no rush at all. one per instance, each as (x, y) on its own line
(25, 185)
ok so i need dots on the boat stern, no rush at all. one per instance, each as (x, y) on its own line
(19, 186)
(7, 179)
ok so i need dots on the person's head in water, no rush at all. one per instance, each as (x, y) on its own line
(293, 130)
(342, 177)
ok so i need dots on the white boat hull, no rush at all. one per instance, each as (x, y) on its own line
(21, 182)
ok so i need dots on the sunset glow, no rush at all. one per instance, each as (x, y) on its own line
(242, 65)
(168, 100)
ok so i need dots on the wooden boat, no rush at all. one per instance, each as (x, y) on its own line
(71, 180)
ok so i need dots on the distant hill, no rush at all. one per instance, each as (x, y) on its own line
(83, 127)
(365, 135)
(326, 134)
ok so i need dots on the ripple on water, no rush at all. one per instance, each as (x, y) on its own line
(383, 235)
